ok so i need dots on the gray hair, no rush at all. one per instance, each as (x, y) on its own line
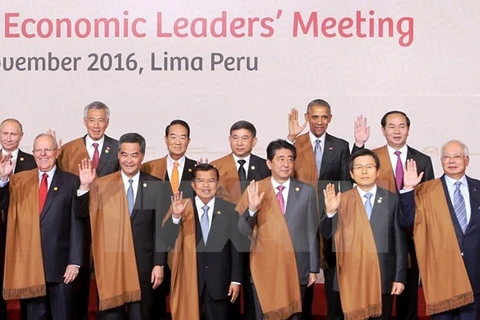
(460, 143)
(97, 105)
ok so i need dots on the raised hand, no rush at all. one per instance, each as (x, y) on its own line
(410, 176)
(178, 204)
(361, 131)
(332, 200)
(54, 134)
(6, 167)
(201, 160)
(254, 198)
(86, 173)
(294, 129)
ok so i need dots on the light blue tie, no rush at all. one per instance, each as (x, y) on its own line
(459, 206)
(130, 198)
(204, 223)
(368, 205)
(318, 155)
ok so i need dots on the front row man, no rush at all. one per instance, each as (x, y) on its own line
(445, 214)
(280, 213)
(202, 235)
(370, 244)
(45, 233)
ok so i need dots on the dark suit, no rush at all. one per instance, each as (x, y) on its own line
(390, 241)
(145, 221)
(302, 221)
(468, 242)
(334, 168)
(407, 302)
(62, 242)
(24, 162)
(218, 261)
(108, 161)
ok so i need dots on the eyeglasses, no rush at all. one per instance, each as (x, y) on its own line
(368, 167)
(454, 157)
(203, 181)
(46, 150)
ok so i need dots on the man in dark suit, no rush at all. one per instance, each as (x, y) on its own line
(236, 170)
(393, 157)
(101, 149)
(125, 214)
(54, 241)
(206, 230)
(176, 170)
(322, 158)
(369, 242)
(445, 214)
(11, 134)
(281, 214)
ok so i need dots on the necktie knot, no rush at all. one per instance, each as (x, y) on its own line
(398, 153)
(44, 176)
(317, 143)
(175, 165)
(130, 181)
(95, 145)
(280, 188)
(368, 195)
(458, 184)
(241, 162)
(205, 209)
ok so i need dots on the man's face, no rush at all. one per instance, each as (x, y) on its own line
(205, 185)
(242, 142)
(177, 141)
(96, 123)
(318, 118)
(45, 152)
(364, 172)
(396, 130)
(454, 160)
(130, 158)
(11, 135)
(281, 165)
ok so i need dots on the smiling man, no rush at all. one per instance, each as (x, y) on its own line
(369, 242)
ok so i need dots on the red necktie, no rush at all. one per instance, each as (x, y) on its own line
(280, 199)
(43, 191)
(96, 156)
(399, 171)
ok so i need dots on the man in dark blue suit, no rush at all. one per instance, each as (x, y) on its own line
(445, 214)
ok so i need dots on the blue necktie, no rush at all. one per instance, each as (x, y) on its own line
(368, 205)
(130, 198)
(459, 206)
(204, 223)
(318, 155)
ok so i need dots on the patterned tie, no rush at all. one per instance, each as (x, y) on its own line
(43, 191)
(280, 199)
(242, 175)
(399, 171)
(130, 198)
(368, 205)
(318, 155)
(459, 206)
(96, 156)
(204, 223)
(175, 178)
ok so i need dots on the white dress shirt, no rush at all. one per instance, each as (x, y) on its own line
(362, 194)
(393, 156)
(199, 204)
(246, 165)
(464, 189)
(275, 184)
(313, 141)
(50, 176)
(170, 165)
(91, 149)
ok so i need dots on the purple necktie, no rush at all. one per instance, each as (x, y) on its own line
(399, 171)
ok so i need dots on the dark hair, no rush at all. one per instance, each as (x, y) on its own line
(242, 124)
(180, 122)
(204, 167)
(132, 137)
(277, 145)
(361, 153)
(318, 103)
(383, 122)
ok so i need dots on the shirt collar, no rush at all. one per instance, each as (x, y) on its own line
(313, 138)
(125, 179)
(373, 191)
(49, 173)
(275, 184)
(89, 141)
(403, 150)
(451, 182)
(199, 204)
(236, 158)
(170, 161)
(14, 153)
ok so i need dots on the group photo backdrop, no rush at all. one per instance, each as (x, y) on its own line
(212, 63)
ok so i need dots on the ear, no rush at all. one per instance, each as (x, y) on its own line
(269, 164)
(254, 142)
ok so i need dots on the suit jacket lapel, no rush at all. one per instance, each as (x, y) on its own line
(328, 152)
(216, 224)
(141, 189)
(19, 163)
(252, 168)
(291, 199)
(474, 206)
(378, 207)
(55, 186)
(105, 154)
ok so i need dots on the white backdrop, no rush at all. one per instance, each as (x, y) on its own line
(427, 65)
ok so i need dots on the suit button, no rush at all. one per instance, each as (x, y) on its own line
(206, 267)
(461, 254)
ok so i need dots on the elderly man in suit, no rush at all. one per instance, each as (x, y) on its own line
(321, 159)
(280, 213)
(100, 149)
(393, 156)
(369, 242)
(45, 236)
(11, 134)
(445, 215)
(236, 170)
(202, 235)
